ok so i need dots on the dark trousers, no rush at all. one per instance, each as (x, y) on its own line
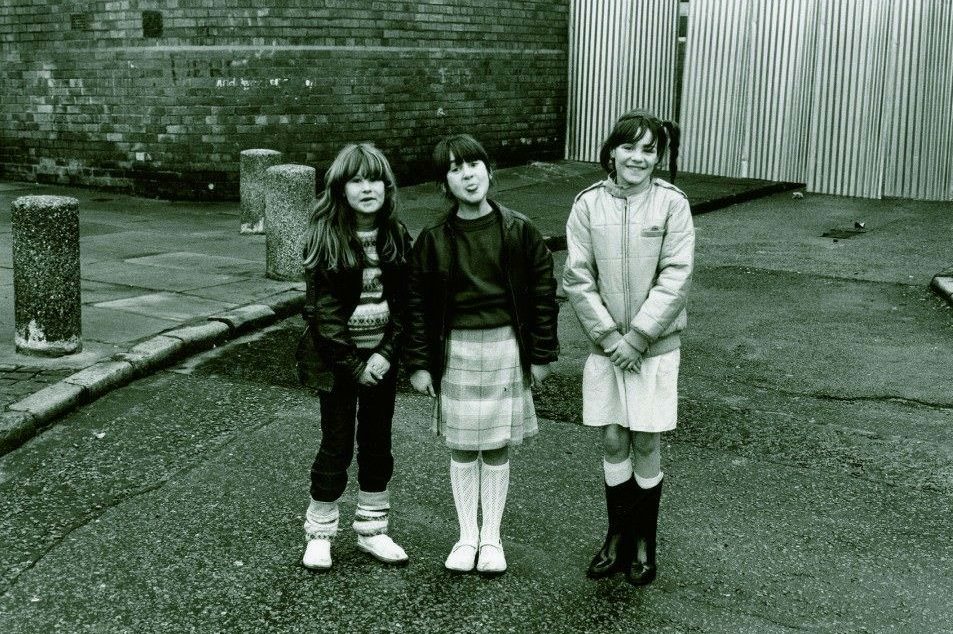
(372, 408)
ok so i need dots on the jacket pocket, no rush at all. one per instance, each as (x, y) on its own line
(653, 231)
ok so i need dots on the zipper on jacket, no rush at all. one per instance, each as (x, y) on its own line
(625, 265)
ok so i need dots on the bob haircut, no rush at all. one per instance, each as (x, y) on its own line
(456, 148)
(329, 240)
(628, 129)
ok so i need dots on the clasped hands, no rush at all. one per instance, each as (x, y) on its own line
(624, 356)
(374, 370)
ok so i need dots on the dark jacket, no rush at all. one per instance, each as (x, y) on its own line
(326, 347)
(530, 285)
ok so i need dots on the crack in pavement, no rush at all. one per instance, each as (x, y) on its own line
(118, 500)
(823, 396)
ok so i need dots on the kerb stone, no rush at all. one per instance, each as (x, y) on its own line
(246, 318)
(286, 303)
(200, 336)
(152, 354)
(51, 401)
(15, 429)
(102, 377)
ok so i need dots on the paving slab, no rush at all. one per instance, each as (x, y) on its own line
(167, 305)
(119, 326)
(151, 277)
(93, 292)
(189, 261)
(245, 290)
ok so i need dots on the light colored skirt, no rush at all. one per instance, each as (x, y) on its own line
(485, 401)
(646, 400)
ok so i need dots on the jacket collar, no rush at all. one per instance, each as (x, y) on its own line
(622, 192)
(505, 213)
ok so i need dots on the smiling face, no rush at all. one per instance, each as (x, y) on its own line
(635, 161)
(468, 181)
(365, 196)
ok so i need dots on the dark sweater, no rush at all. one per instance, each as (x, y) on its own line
(479, 286)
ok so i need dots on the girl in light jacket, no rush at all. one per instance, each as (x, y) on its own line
(631, 245)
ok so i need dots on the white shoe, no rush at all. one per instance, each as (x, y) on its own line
(492, 560)
(317, 554)
(462, 557)
(382, 548)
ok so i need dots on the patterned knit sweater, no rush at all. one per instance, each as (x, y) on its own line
(372, 313)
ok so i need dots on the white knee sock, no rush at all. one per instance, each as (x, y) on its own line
(494, 485)
(321, 520)
(617, 472)
(465, 483)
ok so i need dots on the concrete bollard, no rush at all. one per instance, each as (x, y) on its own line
(289, 198)
(251, 183)
(46, 291)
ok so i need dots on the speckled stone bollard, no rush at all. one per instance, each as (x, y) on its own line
(289, 198)
(46, 292)
(251, 183)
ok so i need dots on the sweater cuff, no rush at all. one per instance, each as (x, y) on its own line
(609, 340)
(637, 340)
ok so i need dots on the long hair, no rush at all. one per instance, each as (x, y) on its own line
(462, 148)
(631, 126)
(330, 240)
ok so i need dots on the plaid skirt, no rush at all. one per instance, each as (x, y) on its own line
(485, 401)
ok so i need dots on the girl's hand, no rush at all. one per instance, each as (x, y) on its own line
(423, 383)
(539, 373)
(368, 378)
(626, 358)
(378, 366)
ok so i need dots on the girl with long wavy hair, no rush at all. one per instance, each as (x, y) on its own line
(355, 259)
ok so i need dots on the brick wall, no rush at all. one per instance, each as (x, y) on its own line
(159, 97)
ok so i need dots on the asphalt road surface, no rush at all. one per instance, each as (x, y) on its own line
(808, 485)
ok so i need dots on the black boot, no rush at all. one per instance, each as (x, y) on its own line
(616, 551)
(645, 531)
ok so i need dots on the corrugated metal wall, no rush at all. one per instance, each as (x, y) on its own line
(621, 56)
(779, 79)
(918, 102)
(845, 150)
(853, 98)
(712, 114)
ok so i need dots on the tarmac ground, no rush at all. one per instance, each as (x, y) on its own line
(807, 486)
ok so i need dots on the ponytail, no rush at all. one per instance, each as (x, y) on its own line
(674, 140)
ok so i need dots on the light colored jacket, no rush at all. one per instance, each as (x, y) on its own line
(629, 265)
